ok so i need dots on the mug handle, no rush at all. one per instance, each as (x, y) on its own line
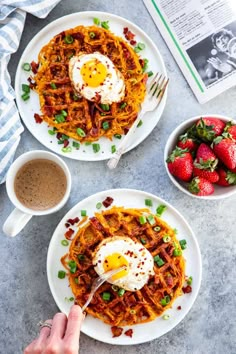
(15, 222)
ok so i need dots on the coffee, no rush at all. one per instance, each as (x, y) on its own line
(40, 184)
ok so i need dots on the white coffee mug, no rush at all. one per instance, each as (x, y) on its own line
(21, 214)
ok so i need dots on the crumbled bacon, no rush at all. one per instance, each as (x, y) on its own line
(78, 36)
(66, 142)
(129, 333)
(73, 221)
(48, 110)
(116, 331)
(67, 224)
(37, 118)
(34, 67)
(179, 308)
(32, 84)
(187, 289)
(129, 35)
(69, 233)
(169, 281)
(133, 42)
(94, 221)
(94, 131)
(125, 30)
(107, 202)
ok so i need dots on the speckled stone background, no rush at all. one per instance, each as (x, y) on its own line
(25, 298)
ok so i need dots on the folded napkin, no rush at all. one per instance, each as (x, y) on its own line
(12, 20)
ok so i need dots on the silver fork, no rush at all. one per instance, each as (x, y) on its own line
(99, 281)
(156, 89)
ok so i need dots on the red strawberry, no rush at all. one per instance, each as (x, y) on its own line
(225, 150)
(200, 186)
(211, 175)
(227, 178)
(185, 142)
(230, 129)
(206, 159)
(208, 128)
(180, 164)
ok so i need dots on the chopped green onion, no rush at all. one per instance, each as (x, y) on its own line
(26, 67)
(160, 209)
(60, 142)
(96, 147)
(166, 238)
(53, 85)
(76, 280)
(165, 300)
(132, 312)
(81, 257)
(175, 231)
(117, 136)
(105, 24)
(83, 212)
(106, 296)
(189, 280)
(75, 97)
(145, 64)
(68, 39)
(115, 288)
(81, 132)
(87, 143)
(66, 149)
(149, 73)
(159, 261)
(113, 149)
(92, 35)
(75, 144)
(25, 96)
(140, 123)
(148, 202)
(143, 241)
(61, 274)
(177, 252)
(51, 132)
(65, 243)
(157, 228)
(98, 205)
(139, 47)
(183, 244)
(151, 220)
(96, 21)
(105, 125)
(123, 105)
(59, 118)
(64, 113)
(105, 107)
(166, 317)
(121, 292)
(71, 298)
(64, 137)
(25, 88)
(142, 219)
(73, 266)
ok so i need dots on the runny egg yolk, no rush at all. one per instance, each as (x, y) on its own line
(114, 261)
(94, 73)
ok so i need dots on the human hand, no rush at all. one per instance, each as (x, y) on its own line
(225, 68)
(59, 335)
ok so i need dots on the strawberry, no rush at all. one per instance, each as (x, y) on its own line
(180, 164)
(230, 130)
(185, 142)
(211, 175)
(200, 186)
(225, 150)
(206, 158)
(227, 178)
(208, 128)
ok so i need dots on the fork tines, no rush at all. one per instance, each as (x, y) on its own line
(158, 85)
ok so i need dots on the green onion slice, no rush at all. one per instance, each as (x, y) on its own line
(83, 212)
(142, 219)
(81, 257)
(105, 125)
(183, 244)
(61, 274)
(25, 96)
(106, 296)
(26, 67)
(105, 24)
(166, 238)
(117, 136)
(75, 144)
(96, 21)
(66, 149)
(121, 292)
(148, 202)
(157, 228)
(165, 300)
(96, 147)
(53, 85)
(98, 205)
(140, 123)
(25, 88)
(105, 107)
(92, 35)
(160, 209)
(159, 261)
(65, 243)
(151, 219)
(68, 39)
(113, 149)
(81, 132)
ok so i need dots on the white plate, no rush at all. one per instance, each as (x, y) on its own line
(28, 108)
(143, 332)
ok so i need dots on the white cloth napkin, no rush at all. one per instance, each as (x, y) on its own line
(12, 20)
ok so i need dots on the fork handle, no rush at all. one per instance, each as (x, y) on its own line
(113, 162)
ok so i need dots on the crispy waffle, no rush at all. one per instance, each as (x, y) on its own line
(56, 92)
(135, 307)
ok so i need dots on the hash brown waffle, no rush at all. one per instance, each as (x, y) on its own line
(135, 307)
(56, 92)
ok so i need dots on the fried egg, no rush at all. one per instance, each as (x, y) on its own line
(117, 251)
(96, 78)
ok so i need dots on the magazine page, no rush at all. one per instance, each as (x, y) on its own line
(201, 35)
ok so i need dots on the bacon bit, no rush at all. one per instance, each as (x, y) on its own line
(96, 224)
(169, 281)
(62, 34)
(68, 119)
(129, 35)
(145, 78)
(73, 221)
(129, 333)
(126, 130)
(125, 30)
(94, 131)
(67, 224)
(133, 42)
(187, 289)
(37, 118)
(69, 233)
(107, 202)
(141, 62)
(116, 331)
(179, 308)
(34, 67)
(78, 36)
(66, 142)
(48, 110)
(32, 84)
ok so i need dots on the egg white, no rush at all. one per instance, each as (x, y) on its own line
(140, 260)
(111, 90)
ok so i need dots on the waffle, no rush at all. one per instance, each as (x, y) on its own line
(56, 92)
(140, 306)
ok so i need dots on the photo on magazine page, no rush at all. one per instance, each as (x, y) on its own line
(215, 57)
